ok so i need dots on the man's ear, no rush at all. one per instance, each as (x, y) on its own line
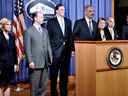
(57, 11)
(35, 18)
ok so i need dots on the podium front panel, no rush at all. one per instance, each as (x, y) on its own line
(94, 77)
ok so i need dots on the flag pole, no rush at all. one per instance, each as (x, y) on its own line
(18, 80)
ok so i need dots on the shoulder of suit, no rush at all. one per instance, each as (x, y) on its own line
(114, 29)
(44, 29)
(106, 28)
(67, 19)
(29, 28)
(53, 19)
(94, 21)
(80, 20)
(125, 25)
(11, 35)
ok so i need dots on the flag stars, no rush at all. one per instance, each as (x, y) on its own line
(18, 7)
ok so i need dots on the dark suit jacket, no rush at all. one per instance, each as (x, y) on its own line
(109, 35)
(57, 38)
(8, 55)
(81, 30)
(125, 32)
(98, 37)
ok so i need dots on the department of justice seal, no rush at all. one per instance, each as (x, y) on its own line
(114, 58)
(45, 6)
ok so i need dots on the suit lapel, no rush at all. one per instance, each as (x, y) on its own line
(115, 34)
(65, 30)
(86, 26)
(94, 28)
(37, 33)
(5, 41)
(44, 35)
(10, 40)
(58, 27)
(109, 33)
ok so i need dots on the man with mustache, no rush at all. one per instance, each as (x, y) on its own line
(85, 29)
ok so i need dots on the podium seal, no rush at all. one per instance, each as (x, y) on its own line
(114, 58)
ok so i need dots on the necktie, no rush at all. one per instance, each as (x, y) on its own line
(90, 28)
(62, 25)
(40, 30)
(112, 34)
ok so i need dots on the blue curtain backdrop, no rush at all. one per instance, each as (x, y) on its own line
(74, 11)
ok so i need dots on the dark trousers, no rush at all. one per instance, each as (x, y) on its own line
(38, 81)
(61, 63)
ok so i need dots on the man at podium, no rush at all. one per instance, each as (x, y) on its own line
(85, 29)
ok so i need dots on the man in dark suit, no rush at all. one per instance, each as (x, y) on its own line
(38, 53)
(85, 29)
(110, 30)
(60, 34)
(125, 30)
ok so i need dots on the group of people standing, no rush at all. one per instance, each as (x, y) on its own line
(51, 47)
(87, 29)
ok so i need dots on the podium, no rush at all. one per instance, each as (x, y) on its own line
(94, 75)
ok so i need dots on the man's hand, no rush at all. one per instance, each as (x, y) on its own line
(31, 65)
(15, 68)
(49, 64)
(73, 53)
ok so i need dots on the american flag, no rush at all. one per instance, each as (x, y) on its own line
(18, 28)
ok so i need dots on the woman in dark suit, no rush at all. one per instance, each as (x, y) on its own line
(101, 34)
(8, 56)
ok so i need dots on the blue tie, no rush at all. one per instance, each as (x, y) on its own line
(40, 30)
(90, 28)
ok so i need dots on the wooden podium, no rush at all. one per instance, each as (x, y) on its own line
(93, 75)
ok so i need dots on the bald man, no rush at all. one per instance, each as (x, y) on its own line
(110, 30)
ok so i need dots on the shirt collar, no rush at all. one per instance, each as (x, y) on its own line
(59, 18)
(87, 19)
(36, 26)
(110, 28)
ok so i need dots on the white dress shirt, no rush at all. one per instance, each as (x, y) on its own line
(61, 20)
(87, 20)
(37, 27)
